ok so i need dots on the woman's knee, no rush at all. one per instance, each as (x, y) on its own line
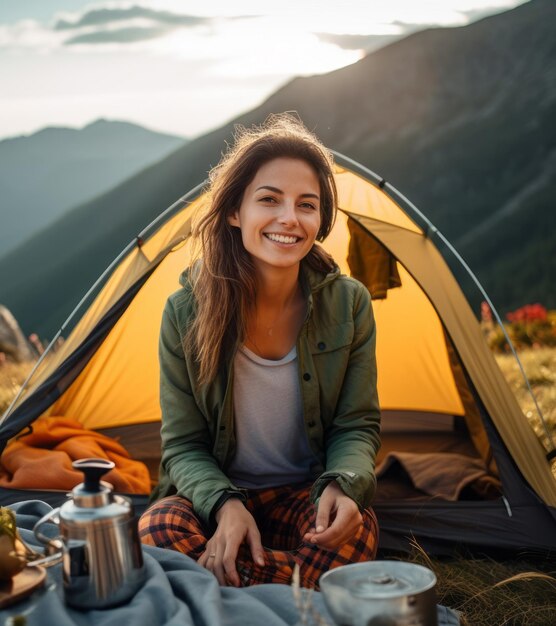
(172, 523)
(369, 534)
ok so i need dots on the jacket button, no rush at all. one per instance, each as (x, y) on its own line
(321, 345)
(306, 376)
(222, 428)
(311, 424)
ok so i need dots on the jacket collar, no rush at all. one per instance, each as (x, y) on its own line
(312, 281)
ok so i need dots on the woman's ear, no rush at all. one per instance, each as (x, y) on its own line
(233, 219)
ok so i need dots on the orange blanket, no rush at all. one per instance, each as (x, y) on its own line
(42, 459)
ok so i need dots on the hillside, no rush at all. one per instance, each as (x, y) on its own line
(45, 174)
(459, 120)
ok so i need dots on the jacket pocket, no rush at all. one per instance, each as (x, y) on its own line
(331, 338)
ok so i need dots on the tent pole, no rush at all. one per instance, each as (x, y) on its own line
(433, 230)
(506, 335)
(168, 212)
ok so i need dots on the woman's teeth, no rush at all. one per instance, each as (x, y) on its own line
(281, 238)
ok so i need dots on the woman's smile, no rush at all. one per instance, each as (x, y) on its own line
(282, 239)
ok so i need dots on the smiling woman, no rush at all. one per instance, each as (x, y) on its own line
(263, 323)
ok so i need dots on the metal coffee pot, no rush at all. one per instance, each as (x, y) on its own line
(102, 557)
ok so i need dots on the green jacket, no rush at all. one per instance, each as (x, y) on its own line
(337, 373)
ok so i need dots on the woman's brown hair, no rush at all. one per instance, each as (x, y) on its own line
(224, 286)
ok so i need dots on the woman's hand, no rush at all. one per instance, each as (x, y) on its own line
(338, 519)
(235, 525)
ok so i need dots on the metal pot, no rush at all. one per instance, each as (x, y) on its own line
(102, 557)
(381, 593)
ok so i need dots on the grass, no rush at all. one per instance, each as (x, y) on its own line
(487, 592)
(12, 376)
(490, 592)
(540, 367)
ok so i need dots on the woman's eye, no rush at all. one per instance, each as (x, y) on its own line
(267, 199)
(308, 205)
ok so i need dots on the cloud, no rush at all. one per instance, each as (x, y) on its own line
(121, 35)
(28, 35)
(116, 26)
(106, 16)
(357, 42)
(124, 25)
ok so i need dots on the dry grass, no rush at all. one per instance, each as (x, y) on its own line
(12, 376)
(540, 367)
(495, 593)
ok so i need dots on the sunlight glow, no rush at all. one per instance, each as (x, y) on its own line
(270, 46)
(229, 61)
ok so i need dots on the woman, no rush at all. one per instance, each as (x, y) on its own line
(270, 416)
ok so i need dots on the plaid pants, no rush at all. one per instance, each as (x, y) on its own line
(283, 515)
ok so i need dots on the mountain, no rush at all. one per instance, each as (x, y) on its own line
(458, 119)
(55, 169)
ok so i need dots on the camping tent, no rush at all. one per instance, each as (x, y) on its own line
(460, 465)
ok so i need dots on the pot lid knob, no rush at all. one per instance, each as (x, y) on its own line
(93, 470)
(383, 579)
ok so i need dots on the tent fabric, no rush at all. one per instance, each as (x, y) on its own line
(434, 365)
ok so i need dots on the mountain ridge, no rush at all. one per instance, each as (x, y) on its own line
(45, 174)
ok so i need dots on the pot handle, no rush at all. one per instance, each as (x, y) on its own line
(50, 543)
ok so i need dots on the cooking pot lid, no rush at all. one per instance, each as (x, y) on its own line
(375, 580)
(390, 579)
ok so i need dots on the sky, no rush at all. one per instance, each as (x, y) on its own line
(184, 68)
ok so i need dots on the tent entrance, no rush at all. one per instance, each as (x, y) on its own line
(428, 457)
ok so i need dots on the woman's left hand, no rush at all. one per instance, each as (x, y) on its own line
(338, 519)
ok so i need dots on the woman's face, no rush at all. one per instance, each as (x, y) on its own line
(279, 216)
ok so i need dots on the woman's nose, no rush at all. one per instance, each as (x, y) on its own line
(288, 215)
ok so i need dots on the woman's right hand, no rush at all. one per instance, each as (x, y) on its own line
(235, 526)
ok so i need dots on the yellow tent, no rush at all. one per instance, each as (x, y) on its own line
(440, 389)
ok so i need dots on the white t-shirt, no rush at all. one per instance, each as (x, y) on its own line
(271, 444)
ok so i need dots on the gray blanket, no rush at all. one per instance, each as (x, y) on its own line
(177, 592)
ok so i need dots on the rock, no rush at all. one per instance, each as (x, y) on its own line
(12, 341)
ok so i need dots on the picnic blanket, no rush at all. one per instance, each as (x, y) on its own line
(42, 459)
(178, 592)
